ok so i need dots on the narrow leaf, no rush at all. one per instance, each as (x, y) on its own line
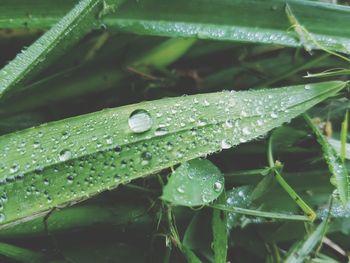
(248, 21)
(67, 161)
(302, 249)
(194, 183)
(22, 254)
(334, 162)
(80, 20)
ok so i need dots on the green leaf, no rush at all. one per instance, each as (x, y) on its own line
(302, 249)
(335, 164)
(64, 162)
(244, 21)
(22, 254)
(80, 20)
(220, 233)
(194, 183)
(343, 136)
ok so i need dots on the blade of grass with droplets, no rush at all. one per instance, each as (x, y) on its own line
(248, 21)
(335, 164)
(80, 20)
(302, 249)
(64, 162)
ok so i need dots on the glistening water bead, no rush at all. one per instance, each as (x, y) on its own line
(140, 121)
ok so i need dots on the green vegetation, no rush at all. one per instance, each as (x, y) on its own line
(174, 131)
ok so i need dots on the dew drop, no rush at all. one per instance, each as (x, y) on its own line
(180, 189)
(64, 155)
(273, 115)
(140, 121)
(217, 186)
(146, 157)
(161, 131)
(225, 144)
(246, 131)
(14, 168)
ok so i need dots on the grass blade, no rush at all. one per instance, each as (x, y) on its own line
(80, 20)
(64, 162)
(302, 249)
(248, 21)
(334, 162)
(22, 254)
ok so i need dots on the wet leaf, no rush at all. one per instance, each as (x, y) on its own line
(194, 183)
(67, 161)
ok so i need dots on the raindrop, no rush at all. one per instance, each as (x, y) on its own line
(140, 121)
(217, 186)
(273, 115)
(146, 157)
(2, 217)
(180, 189)
(161, 131)
(64, 155)
(225, 144)
(14, 168)
(246, 131)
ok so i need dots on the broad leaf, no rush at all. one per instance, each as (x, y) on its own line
(194, 183)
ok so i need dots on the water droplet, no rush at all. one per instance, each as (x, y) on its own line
(273, 115)
(146, 157)
(140, 121)
(180, 189)
(246, 131)
(109, 140)
(161, 131)
(217, 186)
(70, 179)
(307, 87)
(14, 168)
(225, 144)
(64, 155)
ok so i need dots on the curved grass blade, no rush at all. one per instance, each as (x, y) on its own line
(80, 20)
(335, 164)
(64, 162)
(22, 254)
(194, 183)
(302, 249)
(248, 21)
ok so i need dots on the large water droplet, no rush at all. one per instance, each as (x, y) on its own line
(140, 121)
(64, 155)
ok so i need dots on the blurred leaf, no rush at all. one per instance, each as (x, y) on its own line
(302, 249)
